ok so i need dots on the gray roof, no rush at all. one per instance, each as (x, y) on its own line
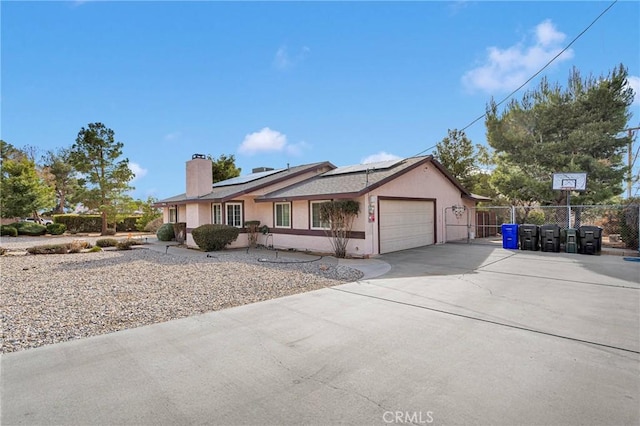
(343, 185)
(227, 192)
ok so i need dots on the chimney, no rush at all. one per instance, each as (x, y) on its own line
(261, 169)
(199, 176)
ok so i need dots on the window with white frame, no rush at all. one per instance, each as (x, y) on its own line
(316, 222)
(216, 214)
(283, 215)
(173, 214)
(234, 214)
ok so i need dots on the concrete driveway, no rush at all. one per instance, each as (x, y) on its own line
(451, 334)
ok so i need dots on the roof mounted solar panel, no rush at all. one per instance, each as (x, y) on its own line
(246, 178)
(380, 165)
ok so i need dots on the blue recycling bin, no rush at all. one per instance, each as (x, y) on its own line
(510, 236)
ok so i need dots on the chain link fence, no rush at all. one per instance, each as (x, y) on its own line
(620, 223)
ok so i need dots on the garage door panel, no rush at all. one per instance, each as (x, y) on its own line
(406, 224)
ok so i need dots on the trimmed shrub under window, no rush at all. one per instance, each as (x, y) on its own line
(165, 232)
(214, 237)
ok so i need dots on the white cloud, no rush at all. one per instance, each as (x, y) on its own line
(284, 61)
(634, 82)
(506, 69)
(171, 136)
(138, 171)
(381, 156)
(297, 149)
(266, 140)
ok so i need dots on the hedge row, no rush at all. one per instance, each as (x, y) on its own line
(93, 223)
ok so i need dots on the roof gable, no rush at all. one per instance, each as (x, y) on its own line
(235, 187)
(348, 184)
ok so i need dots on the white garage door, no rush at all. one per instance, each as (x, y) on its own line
(405, 224)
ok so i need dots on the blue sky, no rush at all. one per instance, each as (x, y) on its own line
(285, 82)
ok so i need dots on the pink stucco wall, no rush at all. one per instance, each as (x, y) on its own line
(423, 182)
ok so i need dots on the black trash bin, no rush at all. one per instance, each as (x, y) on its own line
(550, 238)
(589, 239)
(529, 237)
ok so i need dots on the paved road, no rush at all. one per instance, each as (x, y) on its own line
(451, 334)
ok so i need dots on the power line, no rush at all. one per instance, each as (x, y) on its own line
(534, 75)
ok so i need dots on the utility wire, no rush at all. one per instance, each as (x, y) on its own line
(534, 75)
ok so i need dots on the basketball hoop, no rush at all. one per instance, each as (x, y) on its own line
(570, 181)
(458, 211)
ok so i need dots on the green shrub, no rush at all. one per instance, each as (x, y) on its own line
(80, 222)
(165, 232)
(536, 217)
(8, 230)
(153, 225)
(127, 224)
(94, 249)
(214, 237)
(126, 244)
(48, 249)
(106, 242)
(93, 223)
(56, 228)
(32, 229)
(629, 226)
(110, 231)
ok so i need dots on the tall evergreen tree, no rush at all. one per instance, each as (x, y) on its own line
(96, 155)
(554, 129)
(61, 176)
(224, 167)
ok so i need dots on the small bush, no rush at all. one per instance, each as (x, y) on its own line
(48, 249)
(8, 230)
(94, 249)
(126, 244)
(127, 224)
(2, 251)
(109, 231)
(165, 232)
(536, 218)
(214, 237)
(106, 242)
(56, 228)
(154, 225)
(31, 229)
(77, 246)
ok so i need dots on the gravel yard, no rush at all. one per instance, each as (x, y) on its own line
(47, 299)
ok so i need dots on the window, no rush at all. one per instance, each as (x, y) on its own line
(216, 214)
(283, 215)
(316, 223)
(234, 214)
(173, 214)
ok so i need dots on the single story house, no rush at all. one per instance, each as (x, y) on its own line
(403, 204)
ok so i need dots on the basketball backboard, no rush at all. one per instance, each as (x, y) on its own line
(570, 181)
